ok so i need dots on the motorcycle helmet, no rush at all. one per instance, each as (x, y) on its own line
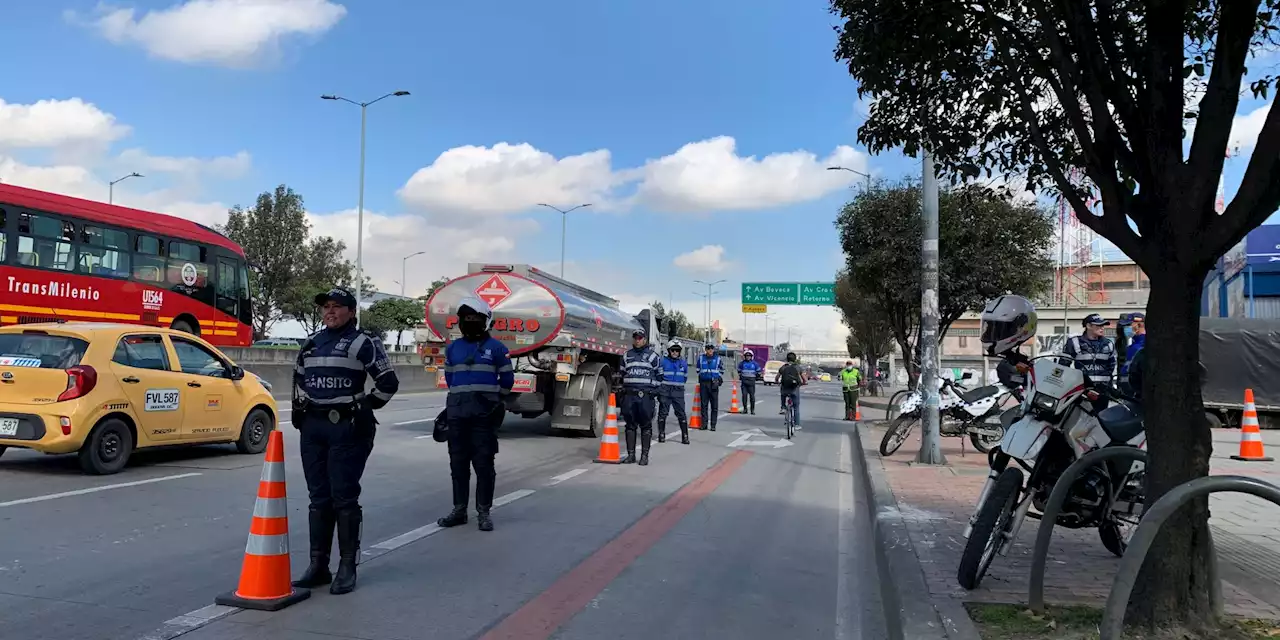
(748, 355)
(1007, 322)
(674, 346)
(471, 306)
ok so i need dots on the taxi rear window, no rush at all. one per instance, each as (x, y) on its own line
(40, 350)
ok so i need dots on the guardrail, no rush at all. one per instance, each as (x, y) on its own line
(1152, 520)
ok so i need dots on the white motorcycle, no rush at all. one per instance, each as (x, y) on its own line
(965, 412)
(1056, 427)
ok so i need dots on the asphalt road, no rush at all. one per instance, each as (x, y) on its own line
(733, 536)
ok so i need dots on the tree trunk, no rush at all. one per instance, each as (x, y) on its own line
(1173, 588)
(909, 358)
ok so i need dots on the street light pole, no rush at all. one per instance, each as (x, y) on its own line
(364, 106)
(403, 264)
(930, 435)
(111, 186)
(564, 228)
(865, 175)
(709, 294)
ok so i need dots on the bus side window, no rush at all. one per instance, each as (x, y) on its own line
(4, 237)
(148, 266)
(187, 272)
(228, 293)
(45, 242)
(103, 252)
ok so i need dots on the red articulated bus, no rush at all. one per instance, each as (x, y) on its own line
(63, 258)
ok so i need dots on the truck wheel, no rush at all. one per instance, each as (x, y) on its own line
(107, 449)
(599, 408)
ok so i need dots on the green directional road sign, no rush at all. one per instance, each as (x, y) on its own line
(789, 293)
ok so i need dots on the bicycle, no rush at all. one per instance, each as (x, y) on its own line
(789, 416)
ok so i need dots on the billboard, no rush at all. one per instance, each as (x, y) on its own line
(1260, 247)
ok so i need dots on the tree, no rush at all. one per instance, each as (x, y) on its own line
(676, 323)
(435, 285)
(989, 244)
(870, 336)
(320, 268)
(273, 234)
(1091, 97)
(393, 314)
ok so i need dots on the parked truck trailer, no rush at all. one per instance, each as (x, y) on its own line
(566, 341)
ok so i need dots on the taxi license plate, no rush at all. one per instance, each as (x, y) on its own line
(8, 426)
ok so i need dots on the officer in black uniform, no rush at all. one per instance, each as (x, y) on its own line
(641, 379)
(335, 418)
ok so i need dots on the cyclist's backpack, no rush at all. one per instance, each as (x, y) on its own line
(791, 376)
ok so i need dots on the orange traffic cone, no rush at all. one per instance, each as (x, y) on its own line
(733, 399)
(695, 418)
(264, 576)
(609, 452)
(440, 381)
(857, 410)
(1251, 433)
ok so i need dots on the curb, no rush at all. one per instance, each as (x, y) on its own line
(911, 612)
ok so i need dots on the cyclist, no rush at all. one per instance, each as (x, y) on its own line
(790, 379)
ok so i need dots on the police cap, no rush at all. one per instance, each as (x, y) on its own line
(338, 295)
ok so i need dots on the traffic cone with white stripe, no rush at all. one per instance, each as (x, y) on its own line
(695, 417)
(1251, 433)
(733, 399)
(264, 576)
(440, 381)
(609, 451)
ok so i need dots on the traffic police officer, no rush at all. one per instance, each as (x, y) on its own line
(641, 379)
(675, 371)
(478, 371)
(335, 418)
(748, 369)
(1093, 353)
(710, 376)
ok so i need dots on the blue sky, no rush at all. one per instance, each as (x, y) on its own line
(693, 128)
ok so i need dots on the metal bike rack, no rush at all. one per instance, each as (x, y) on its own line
(893, 403)
(1152, 520)
(1061, 489)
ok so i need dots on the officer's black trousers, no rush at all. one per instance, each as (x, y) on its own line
(749, 396)
(637, 411)
(710, 403)
(672, 401)
(333, 459)
(473, 442)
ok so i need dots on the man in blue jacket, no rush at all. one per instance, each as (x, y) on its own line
(478, 371)
(675, 371)
(1134, 326)
(748, 369)
(710, 377)
(641, 379)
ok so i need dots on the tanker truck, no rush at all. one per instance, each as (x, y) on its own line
(566, 341)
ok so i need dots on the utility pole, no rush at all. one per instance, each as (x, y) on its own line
(930, 433)
(564, 227)
(709, 294)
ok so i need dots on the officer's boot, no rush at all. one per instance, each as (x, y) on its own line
(349, 521)
(645, 437)
(320, 522)
(684, 432)
(456, 517)
(482, 518)
(662, 432)
(631, 447)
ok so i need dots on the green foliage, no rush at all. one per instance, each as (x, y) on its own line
(392, 314)
(320, 268)
(989, 245)
(870, 336)
(677, 324)
(273, 234)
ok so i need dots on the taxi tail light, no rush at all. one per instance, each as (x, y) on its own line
(80, 381)
(65, 423)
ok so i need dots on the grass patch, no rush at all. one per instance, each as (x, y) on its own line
(1016, 622)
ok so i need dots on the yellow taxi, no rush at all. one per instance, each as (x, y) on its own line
(105, 390)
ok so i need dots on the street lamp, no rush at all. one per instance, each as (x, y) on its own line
(564, 226)
(111, 186)
(403, 263)
(709, 294)
(854, 171)
(360, 203)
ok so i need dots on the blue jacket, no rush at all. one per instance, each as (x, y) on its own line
(1139, 341)
(675, 372)
(710, 368)
(478, 375)
(334, 365)
(1096, 358)
(640, 369)
(747, 370)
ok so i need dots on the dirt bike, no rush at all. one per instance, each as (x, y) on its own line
(1056, 427)
(965, 412)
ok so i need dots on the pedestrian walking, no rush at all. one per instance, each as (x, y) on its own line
(710, 377)
(675, 372)
(334, 417)
(748, 371)
(478, 370)
(850, 378)
(641, 378)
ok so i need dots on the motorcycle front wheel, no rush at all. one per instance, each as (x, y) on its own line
(983, 443)
(898, 432)
(995, 519)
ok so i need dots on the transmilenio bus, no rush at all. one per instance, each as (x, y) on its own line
(64, 258)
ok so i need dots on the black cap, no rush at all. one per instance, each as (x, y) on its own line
(338, 295)
(1096, 319)
(639, 333)
(1130, 318)
(710, 346)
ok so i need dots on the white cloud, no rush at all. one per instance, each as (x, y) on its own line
(219, 167)
(707, 258)
(710, 175)
(233, 33)
(57, 123)
(1245, 129)
(508, 178)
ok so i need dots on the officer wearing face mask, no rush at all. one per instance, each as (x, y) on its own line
(641, 379)
(478, 370)
(335, 418)
(1134, 326)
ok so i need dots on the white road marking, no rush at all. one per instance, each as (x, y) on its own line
(401, 424)
(420, 437)
(432, 529)
(847, 626)
(512, 497)
(566, 476)
(105, 487)
(190, 622)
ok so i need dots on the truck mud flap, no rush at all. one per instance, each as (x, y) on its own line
(572, 414)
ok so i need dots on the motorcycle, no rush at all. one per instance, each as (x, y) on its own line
(964, 412)
(1056, 427)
